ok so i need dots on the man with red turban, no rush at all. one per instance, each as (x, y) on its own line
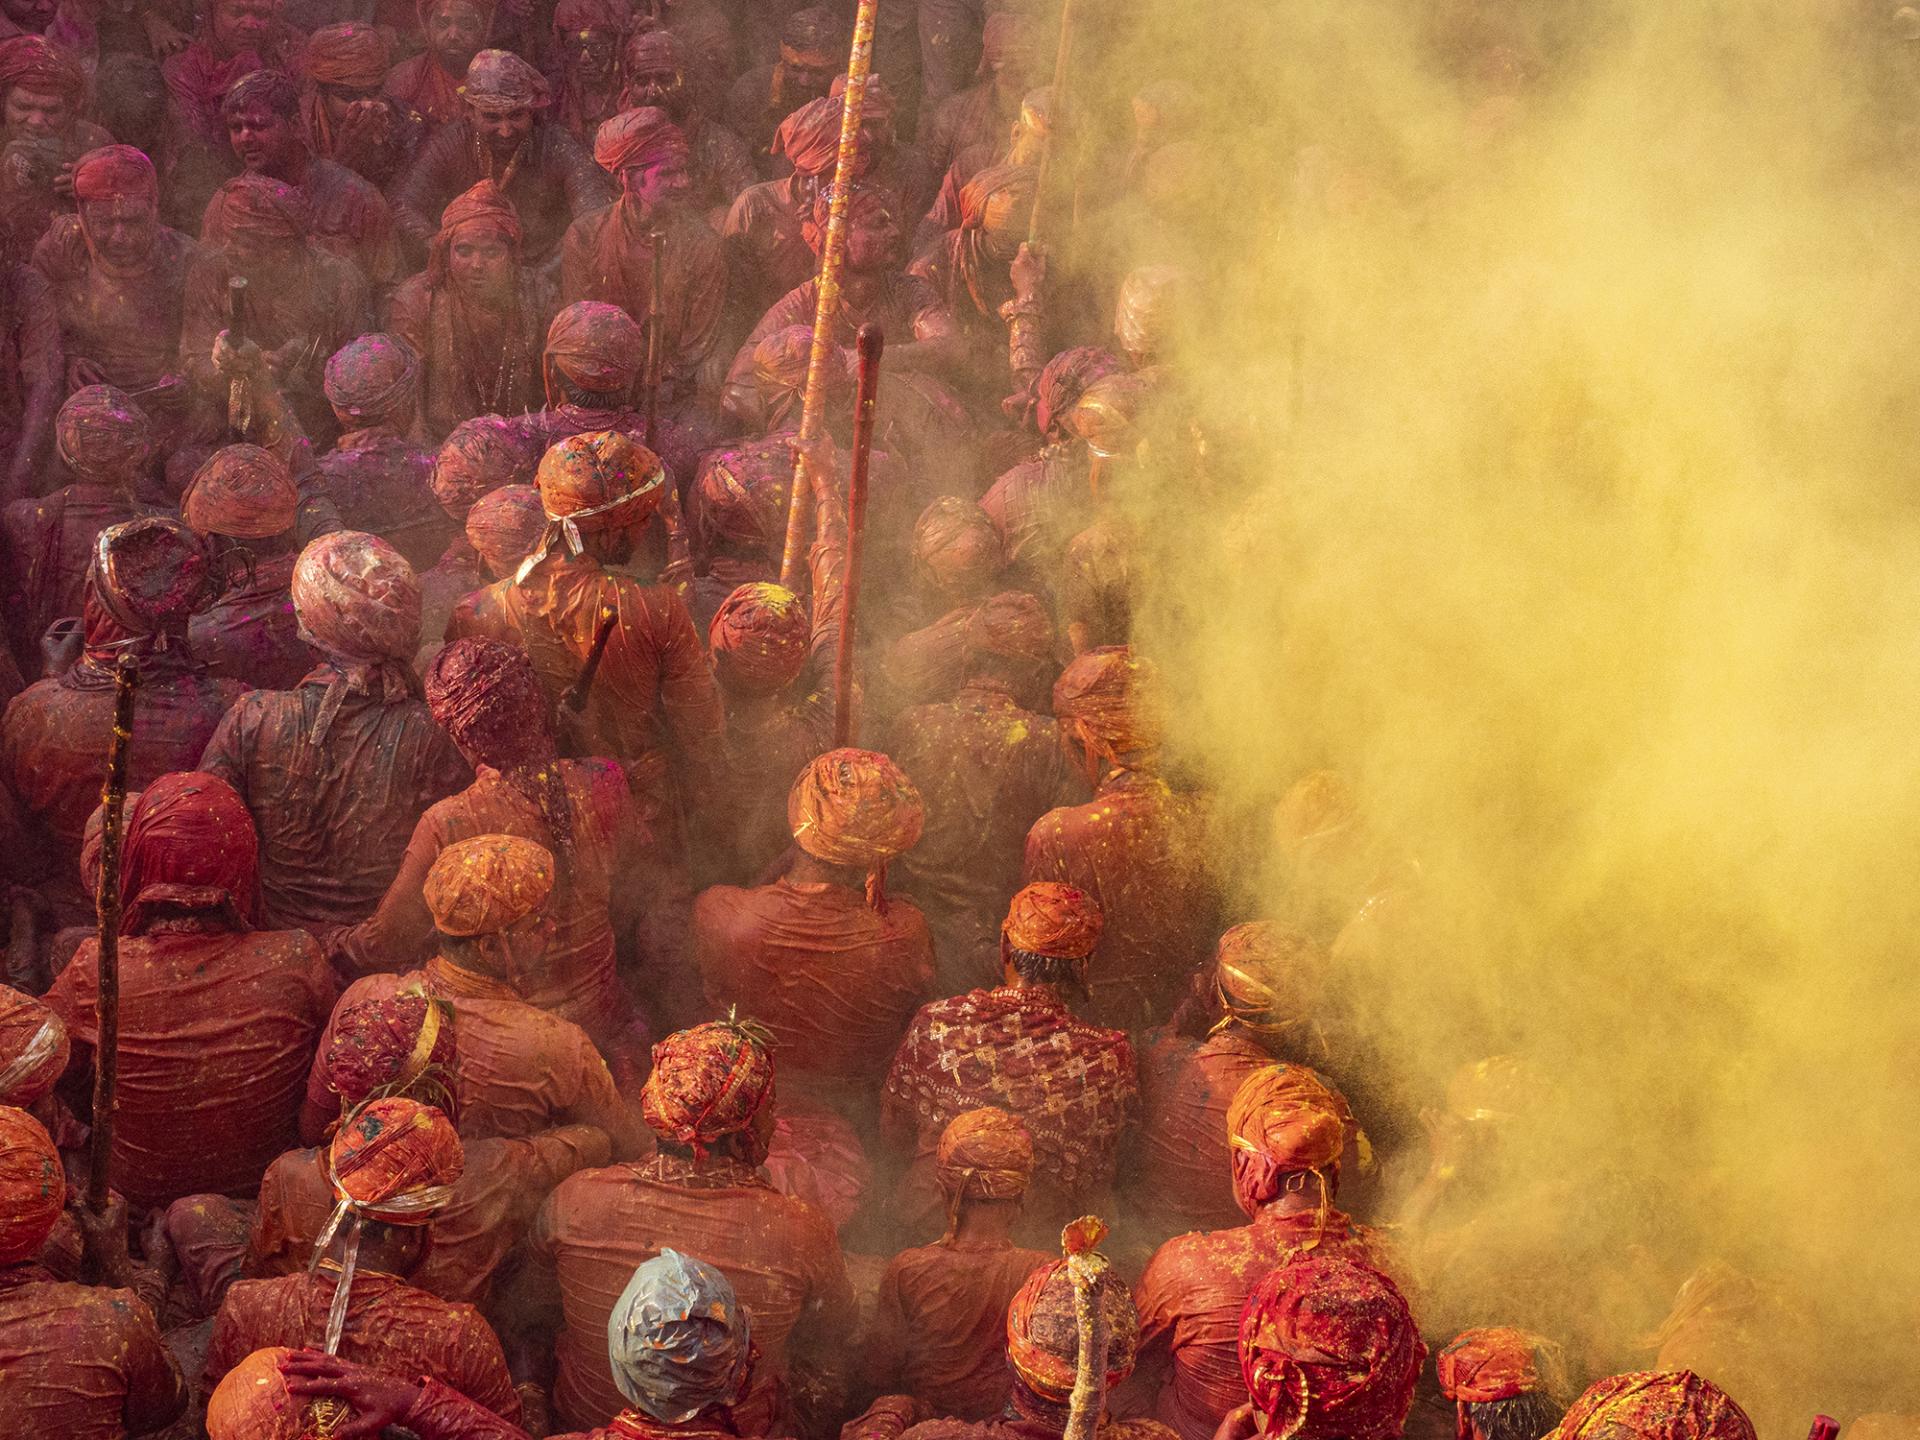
(709, 1101)
(653, 705)
(106, 441)
(410, 1045)
(147, 579)
(505, 135)
(301, 304)
(243, 503)
(431, 85)
(1655, 1405)
(337, 770)
(392, 1166)
(43, 91)
(217, 1018)
(1328, 1351)
(1287, 1132)
(350, 219)
(477, 315)
(118, 278)
(487, 697)
(348, 120)
(1266, 1001)
(608, 254)
(970, 266)
(822, 957)
(988, 766)
(1505, 1383)
(1137, 847)
(1018, 1046)
(937, 1324)
(78, 1361)
(719, 166)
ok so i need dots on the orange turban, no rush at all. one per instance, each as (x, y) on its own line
(251, 1403)
(482, 207)
(810, 136)
(1099, 698)
(242, 492)
(372, 378)
(707, 1083)
(357, 598)
(1493, 1363)
(478, 456)
(760, 638)
(596, 346)
(33, 1188)
(1043, 1333)
(856, 808)
(115, 172)
(1655, 1405)
(33, 1048)
(257, 206)
(644, 137)
(1267, 973)
(500, 81)
(1282, 1121)
(395, 1160)
(740, 499)
(1013, 625)
(1329, 1349)
(483, 885)
(353, 55)
(1055, 920)
(601, 480)
(505, 526)
(984, 1154)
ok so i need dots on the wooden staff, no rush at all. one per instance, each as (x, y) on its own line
(1056, 127)
(870, 343)
(656, 243)
(106, 1054)
(238, 397)
(833, 257)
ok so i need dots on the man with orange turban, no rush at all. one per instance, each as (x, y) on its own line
(1328, 1351)
(217, 1017)
(1266, 1001)
(657, 66)
(1655, 1405)
(653, 705)
(1138, 847)
(243, 503)
(348, 120)
(78, 1361)
(477, 315)
(989, 766)
(487, 697)
(337, 770)
(147, 579)
(392, 1167)
(937, 1323)
(488, 900)
(832, 967)
(1287, 1132)
(1020, 1047)
(709, 1101)
(1505, 1384)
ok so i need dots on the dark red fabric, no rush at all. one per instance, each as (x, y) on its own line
(189, 844)
(84, 1362)
(1184, 1169)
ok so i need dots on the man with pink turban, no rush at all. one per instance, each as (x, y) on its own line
(337, 770)
(217, 1016)
(1020, 1047)
(1137, 846)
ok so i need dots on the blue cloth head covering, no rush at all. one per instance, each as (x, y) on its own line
(678, 1339)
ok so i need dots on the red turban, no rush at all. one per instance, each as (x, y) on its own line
(780, 364)
(499, 80)
(486, 695)
(505, 526)
(1055, 920)
(1282, 1121)
(33, 1048)
(1066, 379)
(484, 885)
(387, 1046)
(482, 208)
(395, 1160)
(242, 492)
(480, 455)
(1099, 699)
(1013, 625)
(760, 638)
(102, 434)
(352, 55)
(600, 480)
(707, 1082)
(1490, 1364)
(956, 543)
(372, 378)
(150, 576)
(1329, 1349)
(810, 137)
(740, 498)
(256, 207)
(38, 64)
(191, 843)
(1103, 417)
(33, 1188)
(855, 808)
(643, 137)
(1655, 1405)
(984, 1154)
(115, 172)
(579, 16)
(1043, 1332)
(596, 346)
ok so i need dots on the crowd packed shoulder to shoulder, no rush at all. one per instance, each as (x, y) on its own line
(536, 1011)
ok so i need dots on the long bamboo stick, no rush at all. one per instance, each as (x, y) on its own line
(871, 343)
(106, 1054)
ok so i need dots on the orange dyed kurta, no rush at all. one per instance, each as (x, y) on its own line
(1183, 1170)
(781, 1255)
(216, 1030)
(81, 1362)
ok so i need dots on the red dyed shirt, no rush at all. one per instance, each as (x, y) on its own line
(1184, 1171)
(252, 634)
(216, 1029)
(80, 1362)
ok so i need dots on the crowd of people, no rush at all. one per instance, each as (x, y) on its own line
(533, 1016)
